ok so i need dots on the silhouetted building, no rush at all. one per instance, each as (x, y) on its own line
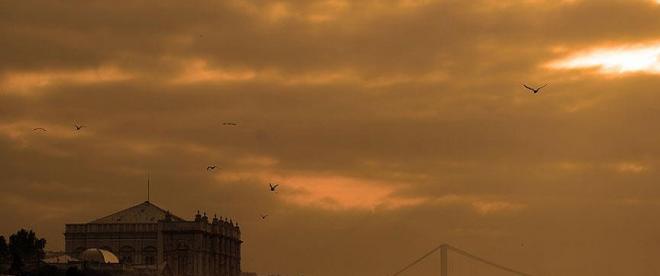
(148, 237)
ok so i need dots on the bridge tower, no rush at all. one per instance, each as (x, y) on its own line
(444, 264)
(443, 260)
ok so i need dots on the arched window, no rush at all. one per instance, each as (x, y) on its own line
(149, 254)
(182, 260)
(126, 255)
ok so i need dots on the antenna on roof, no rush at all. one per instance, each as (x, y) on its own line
(148, 185)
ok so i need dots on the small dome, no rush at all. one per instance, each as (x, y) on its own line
(95, 255)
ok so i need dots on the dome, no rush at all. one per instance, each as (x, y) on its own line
(95, 255)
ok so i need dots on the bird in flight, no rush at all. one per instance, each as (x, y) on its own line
(273, 186)
(229, 124)
(263, 216)
(210, 168)
(39, 128)
(535, 90)
(78, 127)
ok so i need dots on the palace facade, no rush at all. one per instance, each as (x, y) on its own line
(148, 237)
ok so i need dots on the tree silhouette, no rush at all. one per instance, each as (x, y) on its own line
(4, 252)
(73, 271)
(25, 248)
(49, 270)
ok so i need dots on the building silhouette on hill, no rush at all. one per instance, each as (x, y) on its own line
(148, 237)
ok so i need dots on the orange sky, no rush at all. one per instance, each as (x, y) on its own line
(392, 126)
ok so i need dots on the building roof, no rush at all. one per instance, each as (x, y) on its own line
(145, 212)
(61, 259)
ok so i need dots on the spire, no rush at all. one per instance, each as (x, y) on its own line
(198, 217)
(148, 185)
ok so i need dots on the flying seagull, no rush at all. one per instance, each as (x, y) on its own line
(210, 168)
(39, 128)
(263, 216)
(273, 187)
(229, 124)
(535, 90)
(78, 127)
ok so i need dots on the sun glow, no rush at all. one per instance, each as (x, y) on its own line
(29, 81)
(615, 60)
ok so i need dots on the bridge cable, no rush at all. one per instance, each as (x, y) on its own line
(466, 254)
(419, 259)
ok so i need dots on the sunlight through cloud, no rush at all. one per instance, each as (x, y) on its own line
(615, 60)
(344, 193)
(629, 167)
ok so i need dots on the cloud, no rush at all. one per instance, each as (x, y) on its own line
(482, 206)
(33, 81)
(380, 119)
(630, 167)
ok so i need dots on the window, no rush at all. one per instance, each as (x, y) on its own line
(149, 254)
(126, 255)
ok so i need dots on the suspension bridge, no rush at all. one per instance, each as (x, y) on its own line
(445, 249)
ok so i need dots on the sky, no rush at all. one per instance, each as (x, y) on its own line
(391, 126)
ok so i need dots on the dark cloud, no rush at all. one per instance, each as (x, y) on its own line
(393, 127)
